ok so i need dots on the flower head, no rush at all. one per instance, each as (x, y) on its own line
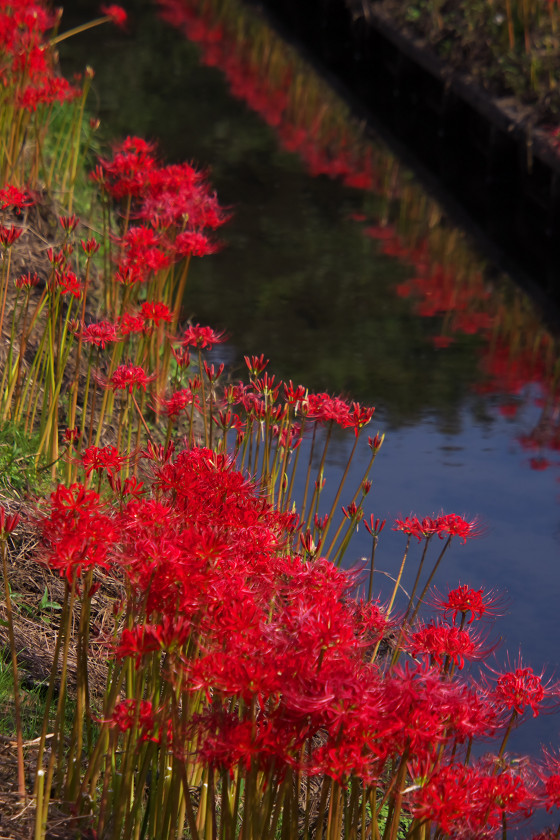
(202, 337)
(129, 377)
(519, 688)
(116, 13)
(106, 458)
(11, 196)
(465, 601)
(100, 334)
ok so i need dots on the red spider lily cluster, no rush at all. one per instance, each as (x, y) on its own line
(28, 74)
(282, 673)
(244, 665)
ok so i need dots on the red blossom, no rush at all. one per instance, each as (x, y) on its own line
(128, 172)
(8, 522)
(68, 283)
(69, 223)
(116, 13)
(256, 364)
(521, 687)
(12, 196)
(129, 376)
(130, 323)
(90, 246)
(178, 402)
(99, 334)
(442, 643)
(106, 458)
(374, 526)
(78, 531)
(27, 281)
(9, 235)
(202, 337)
(156, 311)
(324, 409)
(196, 244)
(466, 601)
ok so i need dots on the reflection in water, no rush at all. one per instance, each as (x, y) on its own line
(448, 283)
(445, 284)
(344, 273)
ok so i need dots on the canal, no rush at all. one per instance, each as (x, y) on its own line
(351, 277)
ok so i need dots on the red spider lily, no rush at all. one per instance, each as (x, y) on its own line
(69, 223)
(235, 394)
(308, 543)
(290, 437)
(374, 526)
(446, 797)
(128, 172)
(72, 436)
(449, 524)
(129, 376)
(46, 91)
(360, 417)
(156, 312)
(324, 408)
(466, 601)
(414, 527)
(141, 715)
(196, 244)
(116, 13)
(224, 420)
(256, 364)
(265, 386)
(56, 258)
(177, 193)
(212, 373)
(202, 337)
(99, 334)
(129, 323)
(90, 246)
(171, 633)
(68, 283)
(178, 402)
(443, 643)
(374, 443)
(9, 235)
(465, 801)
(129, 487)
(293, 395)
(182, 356)
(12, 196)
(128, 713)
(320, 522)
(372, 621)
(353, 511)
(8, 522)
(27, 281)
(106, 458)
(520, 687)
(78, 532)
(144, 251)
(549, 776)
(453, 525)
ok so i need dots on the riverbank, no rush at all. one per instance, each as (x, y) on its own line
(491, 145)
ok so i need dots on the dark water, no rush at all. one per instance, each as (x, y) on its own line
(333, 284)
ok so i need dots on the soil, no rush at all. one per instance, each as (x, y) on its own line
(473, 40)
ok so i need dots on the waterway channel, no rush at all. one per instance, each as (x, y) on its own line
(352, 279)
